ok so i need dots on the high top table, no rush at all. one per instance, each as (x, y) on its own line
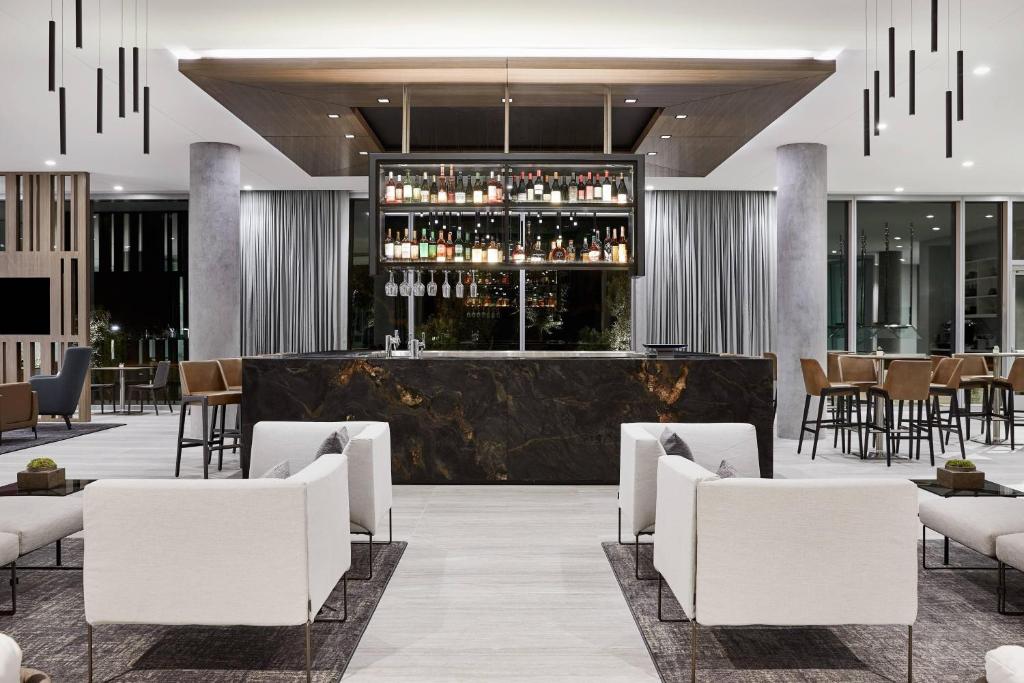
(1000, 368)
(877, 447)
(121, 369)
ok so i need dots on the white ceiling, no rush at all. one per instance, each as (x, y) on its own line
(909, 153)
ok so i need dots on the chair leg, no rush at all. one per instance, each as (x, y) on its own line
(803, 422)
(206, 441)
(817, 426)
(693, 652)
(860, 425)
(14, 592)
(1012, 417)
(309, 645)
(67, 420)
(152, 395)
(88, 647)
(220, 450)
(661, 580)
(955, 406)
(167, 400)
(910, 654)
(931, 445)
(181, 435)
(888, 433)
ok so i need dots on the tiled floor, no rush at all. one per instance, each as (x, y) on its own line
(498, 582)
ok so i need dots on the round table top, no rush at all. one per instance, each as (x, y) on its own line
(126, 367)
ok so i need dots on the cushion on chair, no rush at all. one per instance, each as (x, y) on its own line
(334, 443)
(39, 521)
(974, 522)
(281, 470)
(673, 444)
(1010, 549)
(10, 660)
(9, 548)
(1005, 664)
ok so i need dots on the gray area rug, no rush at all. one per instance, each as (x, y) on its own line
(49, 432)
(956, 624)
(50, 628)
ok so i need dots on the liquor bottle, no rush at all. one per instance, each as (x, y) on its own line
(521, 189)
(537, 254)
(590, 187)
(565, 190)
(425, 189)
(493, 251)
(573, 189)
(531, 189)
(407, 191)
(518, 254)
(551, 251)
(416, 193)
(492, 189)
(623, 246)
(389, 247)
(433, 190)
(560, 252)
(389, 189)
(581, 189)
(609, 241)
(499, 189)
(623, 193)
(570, 251)
(607, 189)
(545, 190)
(478, 191)
(414, 247)
(556, 190)
(459, 248)
(425, 246)
(449, 248)
(451, 184)
(595, 248)
(442, 188)
(442, 249)
(538, 187)
(399, 190)
(460, 192)
(478, 251)
(403, 250)
(432, 246)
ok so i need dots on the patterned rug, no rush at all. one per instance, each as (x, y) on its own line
(50, 628)
(49, 432)
(956, 624)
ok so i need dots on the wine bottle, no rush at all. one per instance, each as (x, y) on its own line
(538, 187)
(441, 251)
(425, 190)
(492, 189)
(460, 192)
(478, 192)
(623, 246)
(389, 247)
(432, 246)
(404, 249)
(407, 191)
(442, 188)
(622, 194)
(414, 246)
(425, 246)
(451, 184)
(609, 242)
(545, 190)
(556, 190)
(607, 189)
(537, 253)
(478, 252)
(449, 248)
(521, 189)
(590, 187)
(433, 190)
(493, 251)
(459, 248)
(389, 189)
(573, 189)
(531, 189)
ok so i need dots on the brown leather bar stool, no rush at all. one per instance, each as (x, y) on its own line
(774, 359)
(231, 371)
(1012, 384)
(202, 384)
(862, 373)
(974, 374)
(908, 381)
(816, 384)
(946, 382)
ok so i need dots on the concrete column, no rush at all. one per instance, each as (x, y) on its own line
(801, 299)
(214, 253)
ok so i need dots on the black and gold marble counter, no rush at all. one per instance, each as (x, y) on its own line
(508, 417)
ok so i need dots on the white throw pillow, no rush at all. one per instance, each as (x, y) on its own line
(10, 660)
(1005, 664)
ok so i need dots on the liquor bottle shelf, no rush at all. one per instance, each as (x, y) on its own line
(504, 207)
(527, 265)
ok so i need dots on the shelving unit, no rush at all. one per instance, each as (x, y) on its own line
(511, 221)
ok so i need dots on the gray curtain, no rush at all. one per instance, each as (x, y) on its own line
(710, 277)
(294, 271)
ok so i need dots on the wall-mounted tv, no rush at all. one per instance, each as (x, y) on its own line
(24, 305)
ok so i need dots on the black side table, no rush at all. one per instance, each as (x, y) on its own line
(70, 486)
(989, 489)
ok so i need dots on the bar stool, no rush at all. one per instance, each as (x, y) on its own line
(861, 372)
(946, 382)
(1010, 385)
(774, 359)
(816, 384)
(974, 374)
(908, 381)
(231, 371)
(202, 384)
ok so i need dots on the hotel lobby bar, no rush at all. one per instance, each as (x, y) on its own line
(669, 342)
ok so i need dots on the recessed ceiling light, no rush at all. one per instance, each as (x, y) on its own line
(930, 216)
(503, 100)
(117, 188)
(333, 116)
(665, 137)
(246, 187)
(882, 125)
(349, 136)
(775, 188)
(988, 215)
(897, 189)
(680, 116)
(364, 152)
(834, 251)
(899, 246)
(903, 260)
(50, 162)
(981, 69)
(651, 154)
(649, 187)
(897, 237)
(967, 164)
(630, 100)
(936, 228)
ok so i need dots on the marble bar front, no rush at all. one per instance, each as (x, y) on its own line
(508, 417)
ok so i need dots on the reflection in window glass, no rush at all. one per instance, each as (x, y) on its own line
(372, 313)
(578, 310)
(481, 313)
(905, 277)
(983, 320)
(1018, 232)
(838, 220)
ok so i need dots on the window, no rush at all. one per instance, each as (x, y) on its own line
(983, 318)
(838, 250)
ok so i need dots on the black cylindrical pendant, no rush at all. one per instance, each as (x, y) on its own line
(63, 122)
(53, 55)
(145, 120)
(949, 124)
(878, 102)
(99, 99)
(78, 23)
(867, 122)
(120, 82)
(959, 85)
(935, 25)
(913, 82)
(892, 61)
(135, 80)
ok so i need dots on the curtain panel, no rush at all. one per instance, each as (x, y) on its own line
(710, 277)
(294, 271)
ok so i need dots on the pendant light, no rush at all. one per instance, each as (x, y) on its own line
(912, 66)
(949, 94)
(53, 50)
(99, 66)
(877, 79)
(145, 92)
(960, 66)
(892, 54)
(61, 92)
(935, 25)
(78, 23)
(135, 62)
(120, 68)
(867, 91)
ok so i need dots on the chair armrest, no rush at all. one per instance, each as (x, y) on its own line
(369, 468)
(196, 552)
(638, 477)
(294, 441)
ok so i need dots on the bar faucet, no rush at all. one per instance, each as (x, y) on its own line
(391, 344)
(416, 346)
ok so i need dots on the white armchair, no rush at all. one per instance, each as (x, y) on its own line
(369, 465)
(757, 551)
(276, 554)
(638, 465)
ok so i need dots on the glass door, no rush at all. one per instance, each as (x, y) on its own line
(1018, 307)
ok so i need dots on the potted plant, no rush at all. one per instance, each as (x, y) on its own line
(960, 474)
(40, 474)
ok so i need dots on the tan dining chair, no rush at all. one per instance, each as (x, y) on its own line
(1010, 385)
(817, 385)
(975, 375)
(946, 383)
(906, 381)
(202, 385)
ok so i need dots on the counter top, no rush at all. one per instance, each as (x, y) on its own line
(507, 355)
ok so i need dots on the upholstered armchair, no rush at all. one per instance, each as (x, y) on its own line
(19, 407)
(59, 394)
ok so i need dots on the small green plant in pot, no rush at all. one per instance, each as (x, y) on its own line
(960, 474)
(41, 474)
(960, 465)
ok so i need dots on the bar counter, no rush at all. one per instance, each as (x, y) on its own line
(474, 417)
